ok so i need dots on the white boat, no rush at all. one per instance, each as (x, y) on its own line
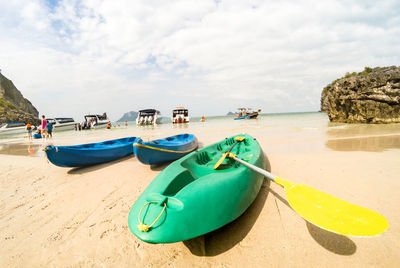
(94, 121)
(148, 117)
(12, 128)
(61, 123)
(180, 115)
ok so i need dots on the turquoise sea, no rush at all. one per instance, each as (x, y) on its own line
(285, 132)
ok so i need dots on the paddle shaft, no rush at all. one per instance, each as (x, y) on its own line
(257, 169)
(230, 149)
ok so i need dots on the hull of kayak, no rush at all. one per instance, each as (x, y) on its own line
(90, 154)
(241, 117)
(197, 198)
(164, 150)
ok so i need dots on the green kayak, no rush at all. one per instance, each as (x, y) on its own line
(189, 198)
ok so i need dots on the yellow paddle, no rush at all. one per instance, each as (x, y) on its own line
(326, 211)
(238, 139)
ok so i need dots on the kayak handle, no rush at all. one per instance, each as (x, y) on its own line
(145, 227)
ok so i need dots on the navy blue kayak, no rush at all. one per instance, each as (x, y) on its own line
(164, 150)
(91, 153)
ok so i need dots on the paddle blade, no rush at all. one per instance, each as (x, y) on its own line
(331, 213)
(220, 160)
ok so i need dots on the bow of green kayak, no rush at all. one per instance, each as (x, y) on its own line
(189, 198)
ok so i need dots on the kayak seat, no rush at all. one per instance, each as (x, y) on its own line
(86, 146)
(247, 142)
(181, 137)
(170, 138)
(109, 142)
(204, 157)
(180, 181)
(220, 147)
(230, 141)
(227, 143)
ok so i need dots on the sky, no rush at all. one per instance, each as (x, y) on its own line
(72, 57)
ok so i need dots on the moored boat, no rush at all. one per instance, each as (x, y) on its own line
(246, 113)
(164, 150)
(180, 115)
(148, 117)
(91, 153)
(62, 123)
(95, 121)
(12, 128)
(189, 198)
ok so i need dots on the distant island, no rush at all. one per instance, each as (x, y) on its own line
(230, 113)
(129, 116)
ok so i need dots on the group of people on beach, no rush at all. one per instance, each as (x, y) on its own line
(109, 125)
(45, 129)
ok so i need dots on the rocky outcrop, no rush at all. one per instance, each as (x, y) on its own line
(324, 98)
(129, 116)
(371, 96)
(14, 108)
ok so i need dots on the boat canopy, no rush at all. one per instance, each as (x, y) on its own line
(183, 111)
(148, 112)
(63, 120)
(100, 117)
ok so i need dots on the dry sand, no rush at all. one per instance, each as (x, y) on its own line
(60, 217)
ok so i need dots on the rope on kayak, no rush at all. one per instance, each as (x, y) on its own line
(163, 150)
(145, 227)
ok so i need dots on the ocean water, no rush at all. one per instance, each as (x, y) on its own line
(288, 132)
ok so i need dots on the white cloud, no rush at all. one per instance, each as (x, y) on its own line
(116, 56)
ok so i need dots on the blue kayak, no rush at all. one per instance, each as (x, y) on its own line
(91, 153)
(164, 150)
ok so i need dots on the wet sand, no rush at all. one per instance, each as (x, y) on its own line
(61, 217)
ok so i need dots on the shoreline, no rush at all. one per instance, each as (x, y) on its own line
(52, 216)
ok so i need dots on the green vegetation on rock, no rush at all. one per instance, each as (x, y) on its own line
(14, 108)
(6, 105)
(370, 96)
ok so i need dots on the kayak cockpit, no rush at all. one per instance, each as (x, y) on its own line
(179, 183)
(201, 164)
(173, 140)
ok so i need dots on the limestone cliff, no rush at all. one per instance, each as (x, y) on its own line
(129, 116)
(371, 96)
(13, 106)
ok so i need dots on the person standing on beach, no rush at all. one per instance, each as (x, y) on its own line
(49, 130)
(44, 125)
(29, 129)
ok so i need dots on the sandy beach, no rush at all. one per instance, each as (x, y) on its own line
(62, 217)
